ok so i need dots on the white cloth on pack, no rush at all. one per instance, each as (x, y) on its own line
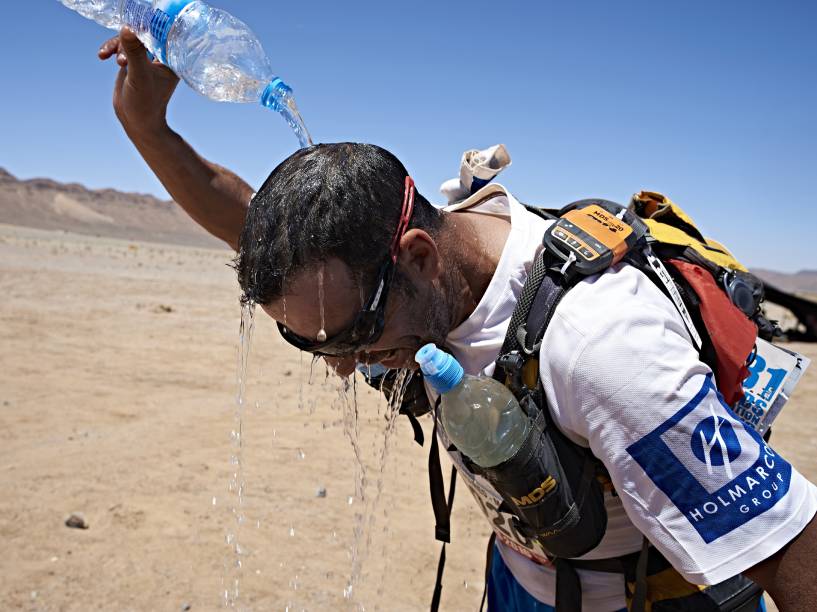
(621, 375)
(477, 169)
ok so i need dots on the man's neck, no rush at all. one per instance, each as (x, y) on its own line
(474, 242)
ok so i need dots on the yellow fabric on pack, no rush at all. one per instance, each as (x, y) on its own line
(530, 373)
(669, 224)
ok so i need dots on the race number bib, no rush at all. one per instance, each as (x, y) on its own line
(773, 375)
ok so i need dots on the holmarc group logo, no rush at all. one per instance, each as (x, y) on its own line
(718, 473)
(715, 442)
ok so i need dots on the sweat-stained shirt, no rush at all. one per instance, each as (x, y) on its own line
(621, 376)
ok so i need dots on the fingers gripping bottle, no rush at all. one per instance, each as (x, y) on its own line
(515, 453)
(215, 53)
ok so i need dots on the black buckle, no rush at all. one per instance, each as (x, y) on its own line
(512, 363)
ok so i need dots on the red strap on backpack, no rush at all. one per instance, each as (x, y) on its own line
(733, 335)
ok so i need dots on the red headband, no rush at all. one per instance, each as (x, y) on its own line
(405, 215)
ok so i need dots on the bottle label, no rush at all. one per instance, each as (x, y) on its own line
(169, 10)
(157, 20)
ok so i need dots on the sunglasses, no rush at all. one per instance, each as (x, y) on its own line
(367, 326)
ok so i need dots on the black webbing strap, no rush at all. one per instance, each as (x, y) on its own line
(568, 587)
(523, 305)
(419, 437)
(551, 291)
(635, 565)
(639, 602)
(438, 584)
(442, 523)
(442, 507)
(489, 560)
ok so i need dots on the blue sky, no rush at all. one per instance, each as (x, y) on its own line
(712, 103)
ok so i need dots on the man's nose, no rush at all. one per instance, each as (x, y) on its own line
(369, 358)
(343, 366)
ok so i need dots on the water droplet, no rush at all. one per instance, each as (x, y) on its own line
(322, 331)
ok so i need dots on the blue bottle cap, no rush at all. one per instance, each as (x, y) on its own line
(440, 369)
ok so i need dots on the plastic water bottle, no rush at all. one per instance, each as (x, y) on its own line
(215, 53)
(479, 415)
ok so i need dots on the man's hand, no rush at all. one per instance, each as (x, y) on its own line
(143, 87)
(213, 196)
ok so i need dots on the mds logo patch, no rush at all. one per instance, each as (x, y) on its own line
(718, 473)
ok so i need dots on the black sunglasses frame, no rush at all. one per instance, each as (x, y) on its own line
(368, 325)
(365, 330)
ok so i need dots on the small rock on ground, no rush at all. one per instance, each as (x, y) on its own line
(76, 521)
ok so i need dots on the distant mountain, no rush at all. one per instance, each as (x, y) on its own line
(46, 204)
(804, 281)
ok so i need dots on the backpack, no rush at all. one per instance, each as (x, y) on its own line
(720, 302)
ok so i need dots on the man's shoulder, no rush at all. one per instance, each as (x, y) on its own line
(603, 334)
(615, 301)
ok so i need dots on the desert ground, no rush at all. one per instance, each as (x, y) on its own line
(118, 384)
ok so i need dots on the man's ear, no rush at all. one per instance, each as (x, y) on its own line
(419, 256)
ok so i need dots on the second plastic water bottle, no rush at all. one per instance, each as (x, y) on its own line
(480, 416)
(516, 454)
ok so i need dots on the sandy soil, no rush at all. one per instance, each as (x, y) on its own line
(117, 401)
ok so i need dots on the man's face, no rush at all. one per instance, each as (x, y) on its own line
(409, 322)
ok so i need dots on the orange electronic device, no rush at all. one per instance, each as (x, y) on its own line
(590, 237)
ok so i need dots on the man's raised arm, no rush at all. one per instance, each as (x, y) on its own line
(213, 196)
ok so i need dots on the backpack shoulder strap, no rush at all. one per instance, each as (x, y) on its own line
(541, 293)
(549, 214)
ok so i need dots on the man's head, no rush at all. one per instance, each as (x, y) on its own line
(322, 223)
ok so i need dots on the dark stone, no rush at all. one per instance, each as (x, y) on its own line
(76, 521)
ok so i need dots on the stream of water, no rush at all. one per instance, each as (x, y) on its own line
(369, 468)
(296, 122)
(235, 487)
(365, 517)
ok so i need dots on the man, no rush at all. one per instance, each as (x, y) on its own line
(354, 264)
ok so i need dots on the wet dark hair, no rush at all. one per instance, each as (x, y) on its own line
(338, 200)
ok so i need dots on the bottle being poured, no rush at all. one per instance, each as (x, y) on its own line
(212, 51)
